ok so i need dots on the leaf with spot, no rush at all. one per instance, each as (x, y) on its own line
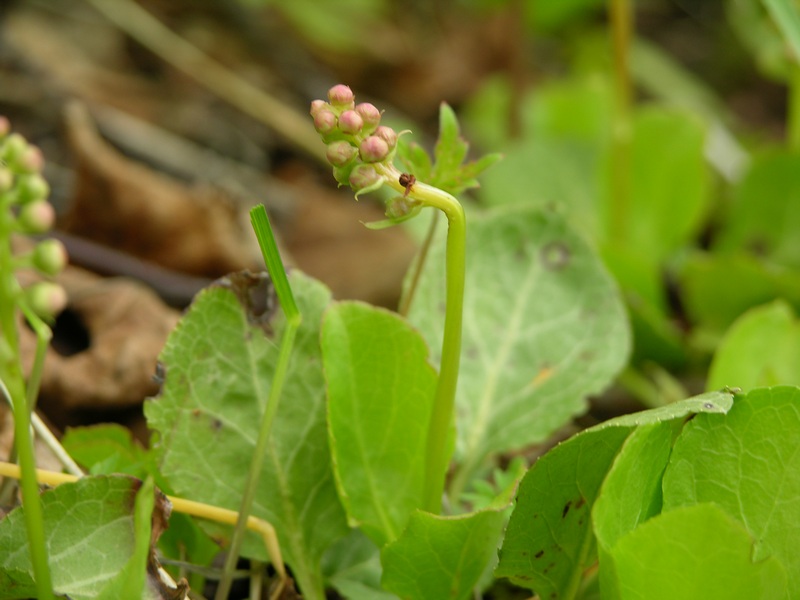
(550, 540)
(748, 463)
(544, 326)
(219, 365)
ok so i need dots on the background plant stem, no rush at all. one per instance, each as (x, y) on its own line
(11, 373)
(621, 18)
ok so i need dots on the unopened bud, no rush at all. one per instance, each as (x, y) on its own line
(12, 148)
(325, 121)
(5, 127)
(362, 177)
(340, 153)
(388, 135)
(31, 160)
(373, 149)
(369, 114)
(341, 96)
(6, 179)
(36, 217)
(49, 257)
(316, 106)
(400, 206)
(47, 299)
(31, 188)
(350, 122)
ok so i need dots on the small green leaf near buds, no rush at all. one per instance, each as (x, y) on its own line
(340, 153)
(325, 121)
(31, 187)
(341, 96)
(364, 177)
(316, 106)
(373, 149)
(47, 299)
(36, 217)
(388, 135)
(350, 122)
(370, 115)
(5, 127)
(49, 257)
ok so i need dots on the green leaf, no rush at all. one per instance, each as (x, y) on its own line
(761, 348)
(109, 448)
(550, 542)
(438, 558)
(380, 389)
(748, 463)
(352, 566)
(90, 538)
(717, 289)
(219, 363)
(669, 183)
(764, 216)
(543, 327)
(693, 552)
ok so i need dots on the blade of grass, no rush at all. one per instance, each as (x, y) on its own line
(272, 257)
(787, 18)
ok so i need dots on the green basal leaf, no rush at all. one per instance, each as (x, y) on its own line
(693, 552)
(219, 363)
(763, 218)
(761, 348)
(451, 148)
(544, 326)
(352, 566)
(93, 539)
(439, 558)
(550, 541)
(718, 289)
(747, 463)
(380, 388)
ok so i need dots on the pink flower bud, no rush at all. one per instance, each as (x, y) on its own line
(400, 206)
(316, 106)
(47, 299)
(350, 122)
(5, 126)
(373, 149)
(12, 148)
(49, 257)
(341, 96)
(36, 217)
(6, 179)
(31, 160)
(340, 153)
(325, 121)
(363, 176)
(388, 135)
(370, 115)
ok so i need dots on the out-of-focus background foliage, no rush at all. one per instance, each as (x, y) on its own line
(163, 121)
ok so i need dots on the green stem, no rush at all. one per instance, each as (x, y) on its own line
(621, 18)
(419, 263)
(13, 378)
(793, 110)
(438, 451)
(269, 249)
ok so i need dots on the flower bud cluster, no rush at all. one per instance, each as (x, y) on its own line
(24, 209)
(356, 141)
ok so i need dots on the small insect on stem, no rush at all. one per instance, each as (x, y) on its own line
(407, 181)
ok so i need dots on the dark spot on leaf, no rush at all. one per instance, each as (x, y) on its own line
(581, 501)
(539, 554)
(255, 293)
(566, 508)
(548, 568)
(708, 405)
(196, 412)
(216, 425)
(580, 522)
(555, 256)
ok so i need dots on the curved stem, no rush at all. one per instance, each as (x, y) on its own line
(438, 450)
